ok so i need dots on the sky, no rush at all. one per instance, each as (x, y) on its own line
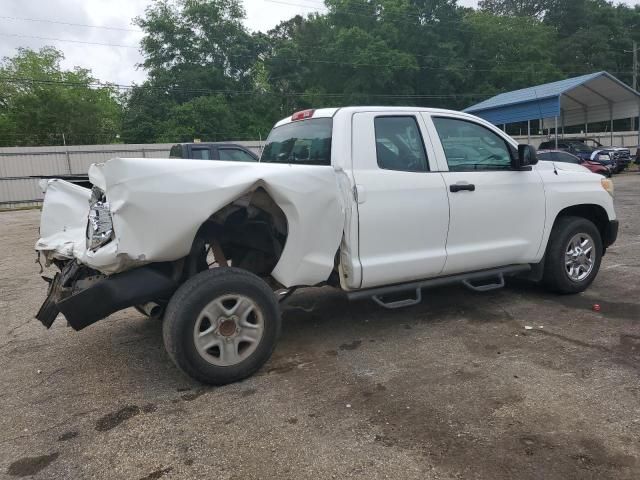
(21, 25)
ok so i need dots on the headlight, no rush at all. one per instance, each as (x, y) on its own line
(607, 184)
(100, 224)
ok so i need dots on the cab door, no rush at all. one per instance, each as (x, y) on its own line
(402, 205)
(497, 213)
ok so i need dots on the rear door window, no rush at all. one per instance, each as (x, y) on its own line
(201, 153)
(399, 144)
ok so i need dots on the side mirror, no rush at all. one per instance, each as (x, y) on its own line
(527, 157)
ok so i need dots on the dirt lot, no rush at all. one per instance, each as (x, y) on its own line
(453, 388)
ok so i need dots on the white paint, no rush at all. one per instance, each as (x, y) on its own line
(406, 225)
(159, 204)
(64, 219)
(406, 209)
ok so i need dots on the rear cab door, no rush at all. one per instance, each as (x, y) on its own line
(402, 205)
(497, 214)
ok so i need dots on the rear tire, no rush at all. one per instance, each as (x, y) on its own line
(573, 256)
(221, 325)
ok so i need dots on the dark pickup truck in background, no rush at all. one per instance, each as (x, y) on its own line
(621, 155)
(197, 151)
(213, 151)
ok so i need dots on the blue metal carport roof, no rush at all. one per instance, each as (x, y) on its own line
(589, 98)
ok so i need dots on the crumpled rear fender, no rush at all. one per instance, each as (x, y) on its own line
(63, 221)
(158, 205)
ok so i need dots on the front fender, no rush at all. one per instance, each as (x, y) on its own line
(565, 189)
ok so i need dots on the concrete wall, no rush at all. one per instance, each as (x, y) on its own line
(21, 167)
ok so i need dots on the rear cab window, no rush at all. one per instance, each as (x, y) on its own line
(303, 142)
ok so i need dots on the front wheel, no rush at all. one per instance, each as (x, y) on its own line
(221, 325)
(573, 255)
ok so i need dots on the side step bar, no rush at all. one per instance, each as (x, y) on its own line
(476, 281)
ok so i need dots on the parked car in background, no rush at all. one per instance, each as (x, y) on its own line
(622, 155)
(213, 151)
(566, 157)
(583, 151)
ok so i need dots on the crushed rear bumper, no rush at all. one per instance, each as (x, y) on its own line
(103, 296)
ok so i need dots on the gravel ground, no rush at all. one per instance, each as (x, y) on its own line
(453, 388)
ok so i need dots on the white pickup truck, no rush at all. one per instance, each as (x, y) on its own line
(381, 202)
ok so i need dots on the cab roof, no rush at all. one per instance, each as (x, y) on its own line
(332, 112)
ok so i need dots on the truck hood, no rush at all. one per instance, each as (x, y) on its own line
(158, 205)
(565, 167)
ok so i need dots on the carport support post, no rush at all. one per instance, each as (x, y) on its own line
(529, 131)
(586, 121)
(555, 119)
(611, 117)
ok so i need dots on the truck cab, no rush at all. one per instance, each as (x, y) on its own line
(435, 192)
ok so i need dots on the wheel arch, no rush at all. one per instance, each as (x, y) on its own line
(595, 213)
(590, 211)
(251, 232)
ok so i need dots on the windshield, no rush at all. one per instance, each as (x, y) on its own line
(581, 147)
(305, 143)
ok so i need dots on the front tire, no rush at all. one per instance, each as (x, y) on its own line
(221, 325)
(573, 256)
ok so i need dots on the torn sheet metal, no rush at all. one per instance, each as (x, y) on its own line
(63, 221)
(158, 206)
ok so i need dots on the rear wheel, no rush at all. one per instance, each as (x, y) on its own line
(221, 325)
(573, 255)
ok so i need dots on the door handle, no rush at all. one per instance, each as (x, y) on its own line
(458, 187)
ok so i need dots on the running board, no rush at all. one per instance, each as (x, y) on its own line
(487, 287)
(409, 302)
(469, 280)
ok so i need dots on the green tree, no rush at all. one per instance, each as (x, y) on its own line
(204, 71)
(594, 35)
(210, 78)
(508, 53)
(39, 102)
(516, 8)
